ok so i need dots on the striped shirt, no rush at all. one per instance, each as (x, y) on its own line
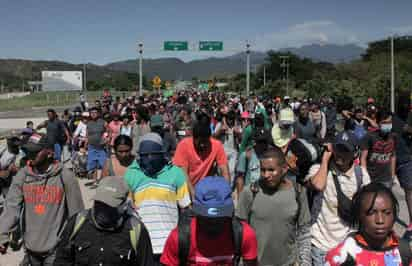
(157, 200)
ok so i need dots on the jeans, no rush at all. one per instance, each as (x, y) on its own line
(318, 256)
(31, 259)
(57, 151)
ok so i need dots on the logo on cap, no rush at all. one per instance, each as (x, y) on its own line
(212, 211)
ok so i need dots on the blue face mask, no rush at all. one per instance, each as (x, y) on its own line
(152, 164)
(386, 128)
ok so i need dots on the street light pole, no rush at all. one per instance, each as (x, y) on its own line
(140, 69)
(392, 76)
(247, 69)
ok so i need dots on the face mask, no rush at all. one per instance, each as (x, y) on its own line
(152, 164)
(386, 128)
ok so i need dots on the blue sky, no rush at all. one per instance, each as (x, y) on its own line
(102, 31)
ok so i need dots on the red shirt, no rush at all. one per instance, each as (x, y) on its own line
(187, 157)
(357, 248)
(205, 251)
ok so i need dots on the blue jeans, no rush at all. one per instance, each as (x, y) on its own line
(95, 158)
(57, 151)
(318, 256)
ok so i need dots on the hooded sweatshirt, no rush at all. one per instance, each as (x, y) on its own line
(47, 201)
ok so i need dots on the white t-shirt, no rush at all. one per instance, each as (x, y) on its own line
(81, 130)
(6, 158)
(328, 230)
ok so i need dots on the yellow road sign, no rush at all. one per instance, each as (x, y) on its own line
(157, 82)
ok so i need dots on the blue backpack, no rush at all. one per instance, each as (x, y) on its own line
(359, 131)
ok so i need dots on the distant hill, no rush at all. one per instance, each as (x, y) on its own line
(172, 68)
(331, 53)
(15, 70)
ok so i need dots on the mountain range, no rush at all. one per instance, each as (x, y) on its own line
(176, 69)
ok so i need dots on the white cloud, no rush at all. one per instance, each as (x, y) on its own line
(309, 32)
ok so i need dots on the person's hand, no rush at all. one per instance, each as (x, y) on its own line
(3, 248)
(327, 154)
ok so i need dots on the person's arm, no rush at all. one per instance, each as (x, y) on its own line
(65, 254)
(241, 172)
(371, 122)
(144, 249)
(224, 171)
(319, 180)
(240, 183)
(10, 217)
(105, 170)
(393, 165)
(323, 124)
(42, 125)
(72, 192)
(303, 238)
(364, 159)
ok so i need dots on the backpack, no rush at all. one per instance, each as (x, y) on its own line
(184, 238)
(359, 131)
(345, 203)
(135, 230)
(255, 189)
(405, 248)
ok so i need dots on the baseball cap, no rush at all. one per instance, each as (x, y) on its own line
(213, 198)
(112, 191)
(245, 115)
(286, 117)
(281, 137)
(36, 143)
(371, 100)
(286, 98)
(151, 143)
(14, 137)
(156, 121)
(85, 114)
(348, 140)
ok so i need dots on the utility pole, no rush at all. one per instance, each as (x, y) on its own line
(247, 68)
(285, 65)
(84, 78)
(264, 76)
(392, 76)
(140, 69)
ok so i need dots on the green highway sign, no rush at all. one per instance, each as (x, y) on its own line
(203, 86)
(210, 46)
(176, 46)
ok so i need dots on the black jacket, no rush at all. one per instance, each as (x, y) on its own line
(91, 246)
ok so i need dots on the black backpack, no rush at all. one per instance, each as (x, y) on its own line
(405, 248)
(184, 236)
(345, 203)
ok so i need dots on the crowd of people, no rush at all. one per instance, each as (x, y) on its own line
(209, 179)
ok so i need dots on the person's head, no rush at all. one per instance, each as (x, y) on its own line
(344, 151)
(162, 109)
(110, 202)
(29, 124)
(273, 167)
(123, 149)
(51, 114)
(303, 111)
(157, 124)
(85, 117)
(97, 104)
(126, 120)
(374, 209)
(38, 152)
(202, 133)
(286, 118)
(358, 114)
(115, 116)
(384, 120)
(14, 142)
(213, 204)
(286, 100)
(259, 120)
(151, 154)
(94, 113)
(315, 107)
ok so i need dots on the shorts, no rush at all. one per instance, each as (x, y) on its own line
(95, 158)
(404, 173)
